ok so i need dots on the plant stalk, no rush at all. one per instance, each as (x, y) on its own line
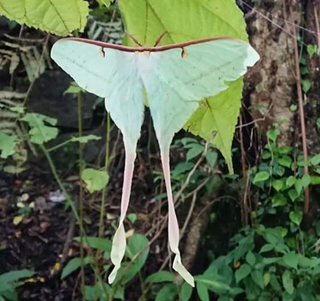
(81, 209)
(106, 166)
(302, 124)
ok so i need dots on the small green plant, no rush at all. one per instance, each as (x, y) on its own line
(262, 266)
(278, 262)
(313, 50)
(280, 181)
(136, 255)
(10, 281)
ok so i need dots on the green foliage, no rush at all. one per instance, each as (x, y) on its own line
(261, 272)
(10, 281)
(161, 276)
(136, 254)
(104, 2)
(280, 181)
(85, 139)
(279, 263)
(261, 177)
(186, 292)
(216, 117)
(39, 131)
(11, 144)
(96, 180)
(132, 217)
(215, 120)
(305, 81)
(181, 171)
(56, 16)
(136, 244)
(306, 85)
(312, 50)
(7, 144)
(167, 293)
(100, 244)
(74, 88)
(73, 265)
(97, 292)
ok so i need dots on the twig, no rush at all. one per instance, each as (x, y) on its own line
(302, 124)
(199, 187)
(192, 171)
(106, 166)
(147, 288)
(186, 222)
(316, 18)
(255, 121)
(213, 202)
(81, 195)
(244, 206)
(69, 239)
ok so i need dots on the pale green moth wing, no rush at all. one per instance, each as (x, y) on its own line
(174, 77)
(179, 78)
(111, 74)
(202, 70)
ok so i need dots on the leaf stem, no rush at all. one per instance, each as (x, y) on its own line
(59, 145)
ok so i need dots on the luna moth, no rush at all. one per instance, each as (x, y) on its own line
(173, 78)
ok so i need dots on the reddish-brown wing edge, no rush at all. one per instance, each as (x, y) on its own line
(146, 48)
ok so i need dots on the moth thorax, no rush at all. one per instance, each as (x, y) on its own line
(143, 63)
(145, 53)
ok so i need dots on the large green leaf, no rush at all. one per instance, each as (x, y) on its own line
(186, 20)
(291, 259)
(242, 272)
(216, 118)
(101, 244)
(186, 292)
(202, 291)
(74, 264)
(160, 276)
(213, 282)
(9, 280)
(167, 293)
(288, 282)
(56, 16)
(136, 243)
